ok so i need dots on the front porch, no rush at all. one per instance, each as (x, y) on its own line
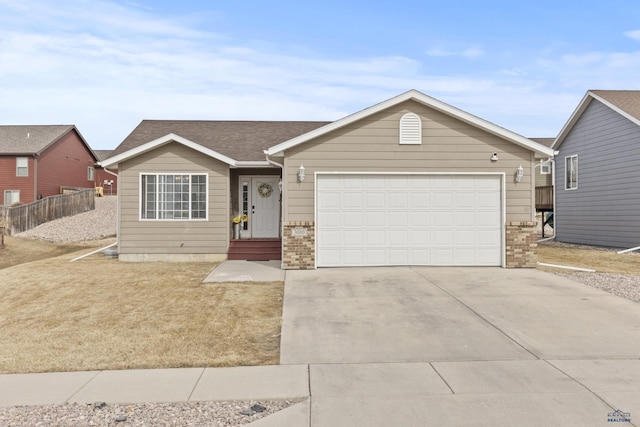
(255, 249)
(256, 200)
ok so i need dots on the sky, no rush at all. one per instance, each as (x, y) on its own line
(105, 65)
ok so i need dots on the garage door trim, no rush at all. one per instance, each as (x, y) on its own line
(500, 175)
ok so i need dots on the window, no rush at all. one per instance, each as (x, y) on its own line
(177, 197)
(245, 203)
(22, 166)
(11, 197)
(410, 129)
(545, 168)
(571, 172)
(90, 173)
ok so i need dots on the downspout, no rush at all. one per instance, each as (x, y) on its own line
(282, 180)
(553, 188)
(117, 207)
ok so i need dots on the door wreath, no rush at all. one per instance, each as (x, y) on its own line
(265, 189)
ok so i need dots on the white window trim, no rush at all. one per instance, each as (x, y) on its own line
(9, 192)
(25, 160)
(566, 173)
(141, 189)
(545, 168)
(410, 129)
(90, 173)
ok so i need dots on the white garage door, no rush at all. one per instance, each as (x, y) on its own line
(374, 220)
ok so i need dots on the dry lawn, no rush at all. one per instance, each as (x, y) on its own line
(599, 259)
(99, 313)
(18, 251)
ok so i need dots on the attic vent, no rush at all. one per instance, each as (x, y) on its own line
(410, 129)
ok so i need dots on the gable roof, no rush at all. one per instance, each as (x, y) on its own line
(624, 102)
(30, 140)
(233, 141)
(420, 97)
(103, 154)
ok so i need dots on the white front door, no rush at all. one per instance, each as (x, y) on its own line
(264, 212)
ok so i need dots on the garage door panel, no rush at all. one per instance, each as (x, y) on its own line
(487, 219)
(487, 238)
(375, 218)
(329, 219)
(398, 200)
(419, 238)
(420, 201)
(442, 238)
(465, 238)
(398, 238)
(375, 256)
(442, 201)
(353, 200)
(464, 219)
(398, 256)
(409, 219)
(375, 237)
(330, 199)
(353, 238)
(353, 256)
(488, 201)
(442, 218)
(419, 219)
(352, 219)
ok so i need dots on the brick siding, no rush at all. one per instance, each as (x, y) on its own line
(299, 251)
(522, 245)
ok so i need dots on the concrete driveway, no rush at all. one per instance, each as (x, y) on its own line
(461, 346)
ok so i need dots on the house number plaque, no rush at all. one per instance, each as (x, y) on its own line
(298, 232)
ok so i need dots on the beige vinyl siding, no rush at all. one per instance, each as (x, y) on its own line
(371, 145)
(542, 180)
(174, 236)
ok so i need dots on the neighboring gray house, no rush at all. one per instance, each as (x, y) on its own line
(598, 171)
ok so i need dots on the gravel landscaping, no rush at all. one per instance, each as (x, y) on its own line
(212, 414)
(92, 225)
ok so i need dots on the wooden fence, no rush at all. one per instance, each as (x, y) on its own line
(25, 217)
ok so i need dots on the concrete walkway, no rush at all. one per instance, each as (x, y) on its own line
(247, 271)
(412, 346)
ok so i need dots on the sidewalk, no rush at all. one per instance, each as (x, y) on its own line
(166, 385)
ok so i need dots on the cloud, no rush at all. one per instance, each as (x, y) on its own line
(105, 66)
(470, 53)
(635, 34)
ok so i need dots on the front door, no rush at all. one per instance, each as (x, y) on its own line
(262, 206)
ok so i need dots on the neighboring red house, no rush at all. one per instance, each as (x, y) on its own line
(106, 178)
(35, 161)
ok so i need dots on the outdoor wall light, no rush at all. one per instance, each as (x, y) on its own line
(494, 157)
(301, 173)
(280, 185)
(519, 173)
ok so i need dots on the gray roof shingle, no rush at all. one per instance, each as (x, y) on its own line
(239, 140)
(544, 141)
(626, 100)
(29, 139)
